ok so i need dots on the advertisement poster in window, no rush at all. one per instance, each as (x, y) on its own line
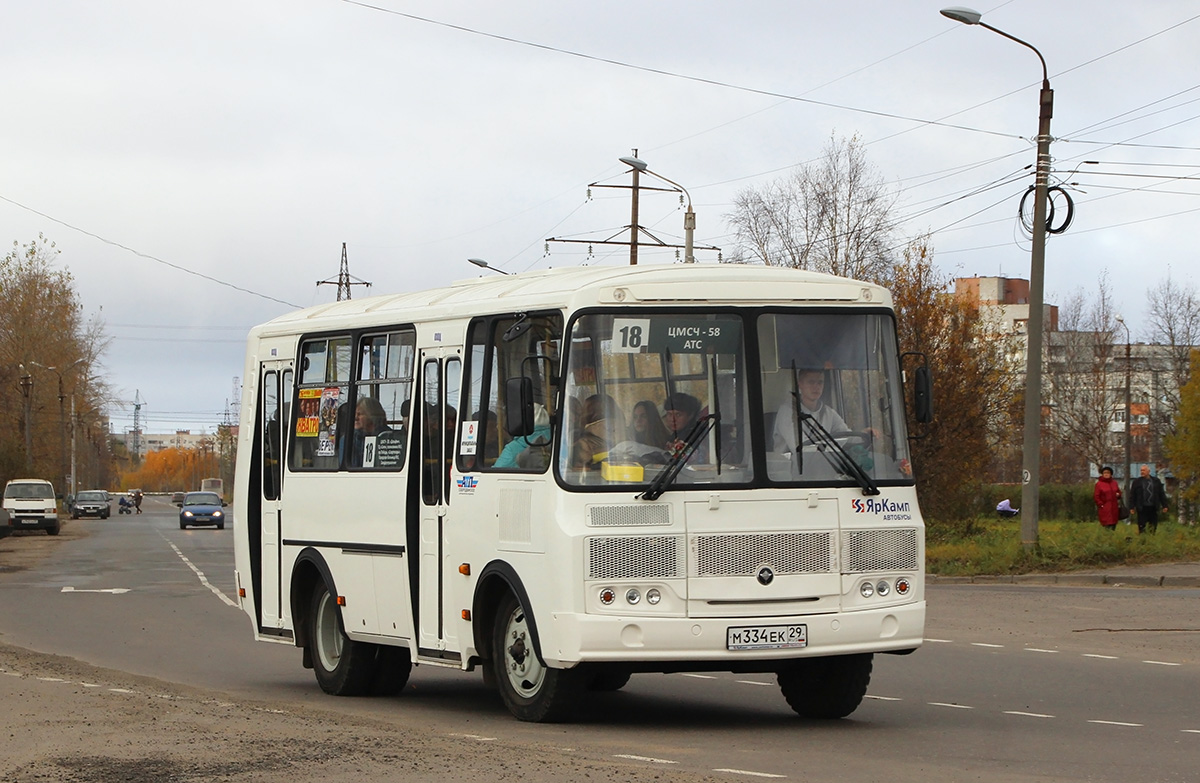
(308, 421)
(328, 425)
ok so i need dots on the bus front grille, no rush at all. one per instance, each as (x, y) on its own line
(879, 550)
(744, 554)
(635, 557)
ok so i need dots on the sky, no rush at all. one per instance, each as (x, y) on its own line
(200, 165)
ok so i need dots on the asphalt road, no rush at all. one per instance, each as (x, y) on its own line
(1014, 683)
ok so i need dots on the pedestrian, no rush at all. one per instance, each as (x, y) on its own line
(1146, 497)
(1107, 496)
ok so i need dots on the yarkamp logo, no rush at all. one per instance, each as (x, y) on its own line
(466, 482)
(890, 509)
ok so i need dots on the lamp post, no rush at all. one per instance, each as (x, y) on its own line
(1031, 445)
(479, 262)
(689, 217)
(62, 420)
(1128, 412)
(27, 393)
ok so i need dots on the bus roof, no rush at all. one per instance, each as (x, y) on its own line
(579, 287)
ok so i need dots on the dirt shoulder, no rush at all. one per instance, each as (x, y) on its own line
(67, 722)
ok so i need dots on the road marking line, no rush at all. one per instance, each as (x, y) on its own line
(89, 685)
(884, 698)
(955, 706)
(982, 644)
(113, 590)
(478, 737)
(940, 641)
(649, 759)
(51, 679)
(1161, 663)
(1104, 657)
(752, 682)
(1038, 649)
(751, 774)
(121, 690)
(1027, 714)
(1190, 731)
(1115, 723)
(701, 676)
(200, 574)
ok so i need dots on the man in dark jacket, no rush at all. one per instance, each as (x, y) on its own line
(1147, 497)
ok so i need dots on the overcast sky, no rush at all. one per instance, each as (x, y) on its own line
(245, 140)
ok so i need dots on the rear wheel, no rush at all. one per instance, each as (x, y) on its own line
(827, 688)
(343, 666)
(531, 690)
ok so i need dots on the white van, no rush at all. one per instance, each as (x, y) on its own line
(31, 505)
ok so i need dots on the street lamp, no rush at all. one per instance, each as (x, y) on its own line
(689, 217)
(27, 392)
(1128, 412)
(479, 262)
(1033, 356)
(62, 419)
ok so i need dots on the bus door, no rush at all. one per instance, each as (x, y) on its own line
(441, 379)
(275, 395)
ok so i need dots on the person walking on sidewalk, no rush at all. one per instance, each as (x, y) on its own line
(1146, 497)
(1107, 496)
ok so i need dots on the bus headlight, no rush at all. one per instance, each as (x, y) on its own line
(883, 588)
(866, 589)
(632, 596)
(653, 596)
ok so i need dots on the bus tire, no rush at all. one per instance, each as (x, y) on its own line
(392, 667)
(531, 690)
(826, 688)
(343, 666)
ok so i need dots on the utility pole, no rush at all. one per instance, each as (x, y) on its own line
(26, 392)
(344, 279)
(633, 217)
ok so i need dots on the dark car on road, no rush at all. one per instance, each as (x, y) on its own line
(91, 503)
(202, 508)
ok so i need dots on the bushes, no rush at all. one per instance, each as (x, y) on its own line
(1065, 502)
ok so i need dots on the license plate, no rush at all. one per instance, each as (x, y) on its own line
(31, 521)
(766, 637)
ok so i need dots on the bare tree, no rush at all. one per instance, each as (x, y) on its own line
(1083, 386)
(1173, 321)
(834, 215)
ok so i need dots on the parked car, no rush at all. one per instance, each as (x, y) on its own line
(32, 505)
(91, 503)
(201, 508)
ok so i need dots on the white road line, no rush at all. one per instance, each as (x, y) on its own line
(121, 690)
(701, 676)
(1116, 723)
(944, 704)
(751, 774)
(51, 679)
(752, 682)
(203, 580)
(1027, 714)
(1162, 663)
(475, 737)
(940, 641)
(982, 644)
(648, 759)
(1190, 731)
(883, 698)
(1038, 649)
(1104, 657)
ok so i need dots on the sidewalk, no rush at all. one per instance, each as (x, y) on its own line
(1153, 575)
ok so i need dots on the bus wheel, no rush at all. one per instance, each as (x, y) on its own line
(827, 688)
(531, 690)
(343, 666)
(392, 667)
(609, 680)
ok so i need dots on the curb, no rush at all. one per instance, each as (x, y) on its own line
(1112, 580)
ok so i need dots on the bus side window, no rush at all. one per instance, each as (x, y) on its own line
(321, 422)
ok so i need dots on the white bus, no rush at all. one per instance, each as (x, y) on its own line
(570, 476)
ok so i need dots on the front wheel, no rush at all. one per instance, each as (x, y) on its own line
(827, 688)
(343, 666)
(531, 690)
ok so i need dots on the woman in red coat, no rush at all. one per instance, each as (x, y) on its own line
(1107, 495)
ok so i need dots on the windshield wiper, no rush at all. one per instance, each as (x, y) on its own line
(826, 443)
(697, 433)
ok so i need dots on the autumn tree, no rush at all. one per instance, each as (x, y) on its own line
(834, 215)
(1183, 446)
(48, 358)
(173, 469)
(1172, 321)
(973, 384)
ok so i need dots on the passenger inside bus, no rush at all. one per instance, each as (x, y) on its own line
(529, 452)
(602, 425)
(370, 421)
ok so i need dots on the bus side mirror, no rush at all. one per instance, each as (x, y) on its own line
(923, 395)
(518, 406)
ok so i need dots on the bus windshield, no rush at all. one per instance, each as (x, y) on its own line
(643, 390)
